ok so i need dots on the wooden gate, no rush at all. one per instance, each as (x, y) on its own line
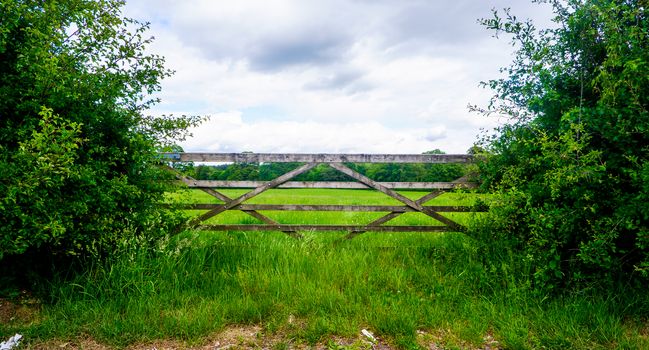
(336, 161)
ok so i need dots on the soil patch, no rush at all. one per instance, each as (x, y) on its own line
(24, 310)
(231, 338)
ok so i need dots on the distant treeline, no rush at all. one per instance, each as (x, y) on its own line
(385, 172)
(379, 172)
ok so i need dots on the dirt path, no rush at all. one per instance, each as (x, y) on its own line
(236, 337)
(233, 337)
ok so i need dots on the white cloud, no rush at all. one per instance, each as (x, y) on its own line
(333, 76)
(227, 132)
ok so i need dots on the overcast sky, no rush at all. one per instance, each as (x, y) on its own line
(328, 76)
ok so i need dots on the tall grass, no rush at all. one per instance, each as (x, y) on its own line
(394, 284)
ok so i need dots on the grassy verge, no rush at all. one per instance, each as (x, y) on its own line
(396, 285)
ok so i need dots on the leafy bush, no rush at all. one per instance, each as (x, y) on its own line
(78, 168)
(571, 167)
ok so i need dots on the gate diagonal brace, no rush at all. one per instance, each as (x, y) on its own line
(257, 215)
(259, 187)
(235, 202)
(407, 201)
(382, 220)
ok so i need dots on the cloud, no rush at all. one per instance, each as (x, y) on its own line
(316, 49)
(394, 75)
(269, 36)
(228, 132)
(278, 34)
(343, 79)
(434, 23)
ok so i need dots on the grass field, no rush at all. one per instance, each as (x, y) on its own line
(327, 196)
(410, 289)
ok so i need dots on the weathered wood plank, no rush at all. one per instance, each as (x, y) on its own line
(227, 199)
(269, 221)
(322, 228)
(383, 219)
(405, 200)
(466, 178)
(217, 194)
(378, 222)
(317, 158)
(252, 212)
(329, 184)
(429, 197)
(326, 207)
(266, 186)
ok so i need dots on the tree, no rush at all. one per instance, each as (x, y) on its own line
(78, 174)
(572, 166)
(443, 172)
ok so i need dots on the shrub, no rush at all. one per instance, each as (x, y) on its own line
(78, 168)
(571, 167)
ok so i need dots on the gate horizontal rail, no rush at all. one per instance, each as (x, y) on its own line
(351, 228)
(335, 161)
(320, 207)
(334, 184)
(317, 158)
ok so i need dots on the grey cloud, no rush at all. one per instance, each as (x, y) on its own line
(326, 46)
(323, 36)
(433, 22)
(312, 50)
(445, 27)
(321, 33)
(433, 26)
(435, 135)
(321, 44)
(345, 79)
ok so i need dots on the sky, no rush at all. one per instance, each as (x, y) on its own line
(329, 76)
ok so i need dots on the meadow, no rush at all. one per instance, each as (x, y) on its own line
(412, 290)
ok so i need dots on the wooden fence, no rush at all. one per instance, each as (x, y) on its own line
(336, 161)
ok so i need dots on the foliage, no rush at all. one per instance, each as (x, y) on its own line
(77, 156)
(573, 164)
(411, 290)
